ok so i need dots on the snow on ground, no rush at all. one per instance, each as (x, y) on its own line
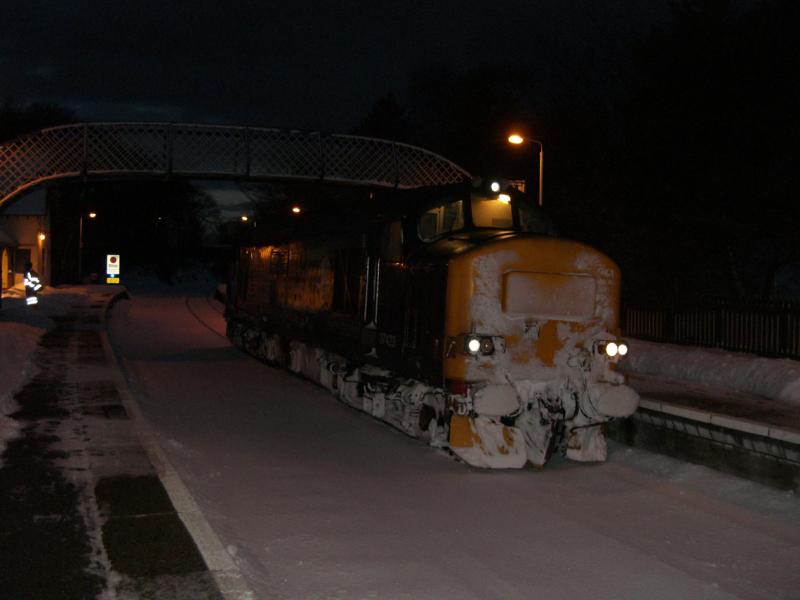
(315, 500)
(778, 379)
(21, 327)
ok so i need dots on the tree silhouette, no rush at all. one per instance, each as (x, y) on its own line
(17, 119)
(386, 119)
(676, 153)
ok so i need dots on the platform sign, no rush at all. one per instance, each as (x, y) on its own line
(112, 268)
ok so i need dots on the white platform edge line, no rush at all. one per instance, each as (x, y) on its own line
(227, 576)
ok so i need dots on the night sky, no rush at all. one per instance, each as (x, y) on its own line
(315, 65)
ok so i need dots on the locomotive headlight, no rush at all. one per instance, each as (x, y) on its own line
(482, 344)
(612, 349)
(622, 349)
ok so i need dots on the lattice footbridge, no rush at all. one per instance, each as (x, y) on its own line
(216, 152)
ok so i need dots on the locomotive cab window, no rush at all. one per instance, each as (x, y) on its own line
(493, 212)
(509, 211)
(440, 219)
(481, 210)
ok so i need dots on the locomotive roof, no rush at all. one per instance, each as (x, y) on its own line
(347, 215)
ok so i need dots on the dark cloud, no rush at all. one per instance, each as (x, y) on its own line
(303, 64)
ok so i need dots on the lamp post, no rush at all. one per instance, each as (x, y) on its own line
(517, 139)
(91, 215)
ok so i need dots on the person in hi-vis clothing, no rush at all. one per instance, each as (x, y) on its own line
(32, 285)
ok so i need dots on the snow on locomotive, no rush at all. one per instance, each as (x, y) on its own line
(451, 313)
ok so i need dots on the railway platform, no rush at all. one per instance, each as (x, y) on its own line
(743, 434)
(88, 508)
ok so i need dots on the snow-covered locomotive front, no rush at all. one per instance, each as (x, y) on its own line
(453, 316)
(529, 323)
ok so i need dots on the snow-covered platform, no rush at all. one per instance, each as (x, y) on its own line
(734, 431)
(732, 410)
(111, 521)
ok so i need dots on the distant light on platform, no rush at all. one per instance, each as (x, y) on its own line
(42, 237)
(296, 210)
(612, 349)
(504, 198)
(516, 138)
(495, 187)
(245, 218)
(92, 215)
(623, 349)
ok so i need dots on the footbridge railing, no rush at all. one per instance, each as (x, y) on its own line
(211, 151)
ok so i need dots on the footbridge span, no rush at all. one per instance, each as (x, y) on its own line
(93, 150)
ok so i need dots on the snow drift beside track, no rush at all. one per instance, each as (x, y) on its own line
(778, 379)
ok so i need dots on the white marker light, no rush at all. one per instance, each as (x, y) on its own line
(495, 187)
(623, 349)
(474, 345)
(612, 349)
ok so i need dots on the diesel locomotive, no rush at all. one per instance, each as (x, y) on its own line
(452, 313)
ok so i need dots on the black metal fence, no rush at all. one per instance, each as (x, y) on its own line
(768, 329)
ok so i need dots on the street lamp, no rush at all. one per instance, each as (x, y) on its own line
(517, 140)
(91, 215)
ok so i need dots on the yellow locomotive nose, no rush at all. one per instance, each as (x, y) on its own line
(538, 294)
(547, 299)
